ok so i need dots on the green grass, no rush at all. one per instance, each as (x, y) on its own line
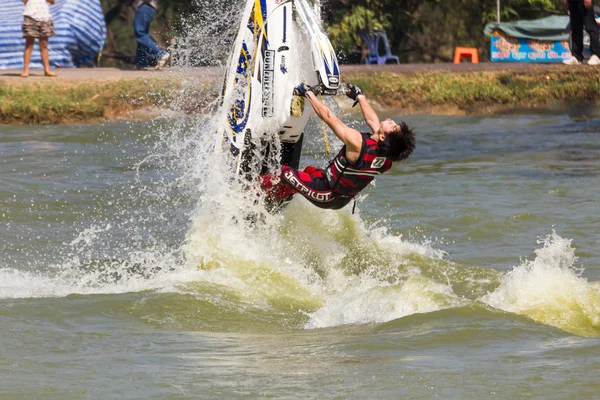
(473, 92)
(455, 93)
(71, 102)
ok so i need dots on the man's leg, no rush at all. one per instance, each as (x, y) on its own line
(141, 60)
(45, 57)
(592, 29)
(314, 172)
(270, 183)
(576, 10)
(275, 188)
(310, 185)
(141, 25)
(29, 42)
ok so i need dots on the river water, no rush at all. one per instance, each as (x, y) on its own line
(128, 268)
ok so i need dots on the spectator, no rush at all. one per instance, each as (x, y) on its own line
(581, 14)
(147, 49)
(37, 23)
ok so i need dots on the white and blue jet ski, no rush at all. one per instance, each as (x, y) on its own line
(280, 44)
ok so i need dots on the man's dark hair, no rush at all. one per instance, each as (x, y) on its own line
(399, 144)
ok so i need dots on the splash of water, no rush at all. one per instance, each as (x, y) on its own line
(330, 268)
(551, 290)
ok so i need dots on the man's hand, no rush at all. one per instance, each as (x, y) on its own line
(301, 89)
(587, 3)
(353, 92)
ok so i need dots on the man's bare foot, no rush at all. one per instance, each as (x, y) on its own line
(25, 74)
(49, 73)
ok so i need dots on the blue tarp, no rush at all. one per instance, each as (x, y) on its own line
(80, 34)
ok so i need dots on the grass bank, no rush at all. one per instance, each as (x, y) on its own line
(484, 92)
(56, 102)
(53, 101)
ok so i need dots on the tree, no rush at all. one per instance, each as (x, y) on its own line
(418, 30)
(345, 34)
(429, 30)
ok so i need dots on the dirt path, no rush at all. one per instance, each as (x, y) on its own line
(13, 76)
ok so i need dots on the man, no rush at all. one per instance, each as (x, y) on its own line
(146, 48)
(363, 156)
(581, 14)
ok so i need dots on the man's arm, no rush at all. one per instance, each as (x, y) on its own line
(356, 94)
(351, 138)
(369, 115)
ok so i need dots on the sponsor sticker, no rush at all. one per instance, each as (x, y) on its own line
(282, 66)
(267, 83)
(320, 197)
(378, 162)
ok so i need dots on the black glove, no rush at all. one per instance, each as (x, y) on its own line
(301, 89)
(353, 92)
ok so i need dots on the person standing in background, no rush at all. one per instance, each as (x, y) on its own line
(37, 23)
(581, 14)
(145, 11)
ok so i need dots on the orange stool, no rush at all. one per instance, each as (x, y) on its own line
(466, 52)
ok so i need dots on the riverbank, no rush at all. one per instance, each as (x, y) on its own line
(89, 95)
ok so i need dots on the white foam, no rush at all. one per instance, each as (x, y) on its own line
(550, 289)
(364, 299)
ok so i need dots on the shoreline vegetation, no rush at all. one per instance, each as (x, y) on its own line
(63, 101)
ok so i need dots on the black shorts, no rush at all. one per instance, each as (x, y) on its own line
(311, 184)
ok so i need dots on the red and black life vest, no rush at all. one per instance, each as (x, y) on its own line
(348, 179)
